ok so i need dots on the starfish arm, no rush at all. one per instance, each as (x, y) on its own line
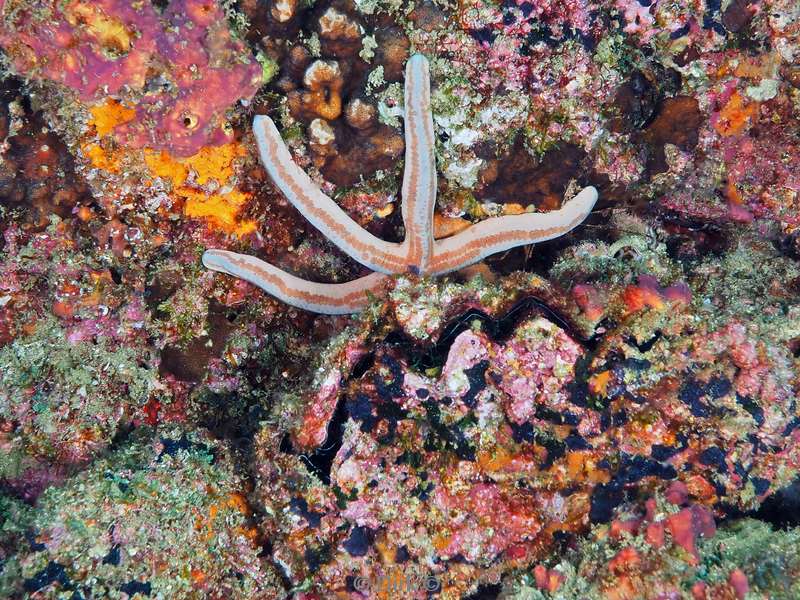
(419, 176)
(325, 298)
(320, 210)
(501, 233)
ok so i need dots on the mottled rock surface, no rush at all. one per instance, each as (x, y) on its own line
(612, 414)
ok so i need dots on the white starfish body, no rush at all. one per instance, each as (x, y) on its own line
(419, 252)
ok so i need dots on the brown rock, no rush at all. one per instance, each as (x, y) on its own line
(322, 96)
(297, 60)
(360, 114)
(273, 19)
(677, 122)
(322, 141)
(282, 11)
(429, 17)
(792, 75)
(38, 171)
(690, 54)
(190, 362)
(738, 15)
(362, 155)
(521, 179)
(635, 102)
(392, 52)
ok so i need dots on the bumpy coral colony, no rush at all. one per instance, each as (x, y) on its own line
(423, 405)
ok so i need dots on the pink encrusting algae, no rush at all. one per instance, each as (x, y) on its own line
(110, 49)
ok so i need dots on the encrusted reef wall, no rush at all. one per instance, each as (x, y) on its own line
(609, 415)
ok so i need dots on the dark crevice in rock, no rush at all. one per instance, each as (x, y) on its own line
(321, 461)
(498, 329)
(363, 365)
(485, 592)
(780, 510)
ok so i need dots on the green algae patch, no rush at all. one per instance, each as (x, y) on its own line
(68, 397)
(164, 517)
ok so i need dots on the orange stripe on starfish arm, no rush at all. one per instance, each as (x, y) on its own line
(419, 176)
(501, 233)
(320, 210)
(325, 298)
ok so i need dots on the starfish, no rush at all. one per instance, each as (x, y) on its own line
(419, 253)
